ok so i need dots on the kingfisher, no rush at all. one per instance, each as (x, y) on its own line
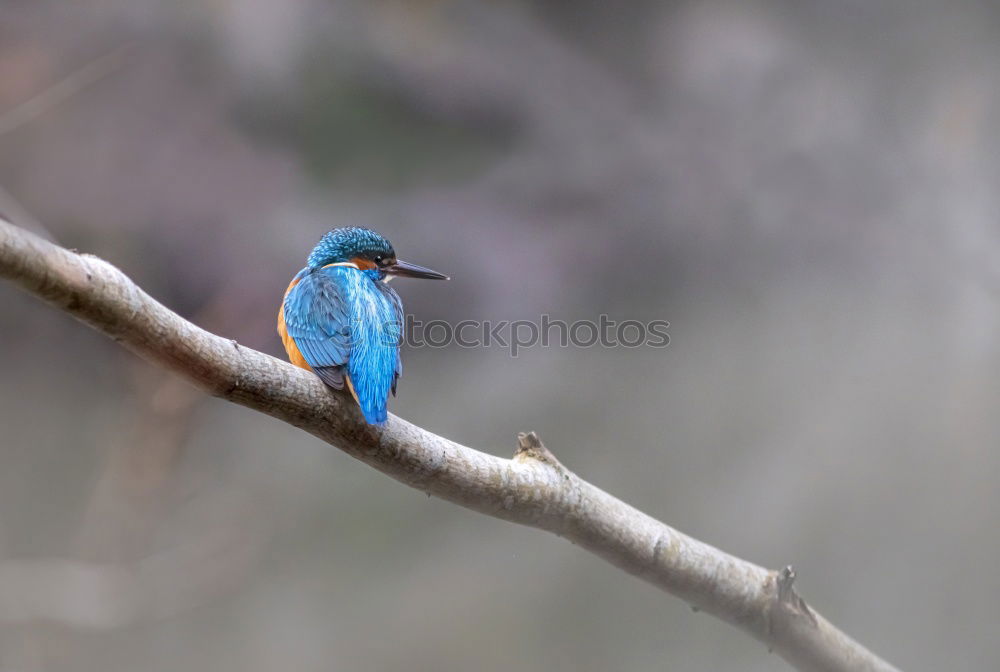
(341, 320)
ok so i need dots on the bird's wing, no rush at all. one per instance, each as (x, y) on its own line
(397, 306)
(318, 319)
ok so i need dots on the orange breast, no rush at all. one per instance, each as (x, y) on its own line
(294, 356)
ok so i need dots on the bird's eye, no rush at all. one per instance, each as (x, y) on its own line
(379, 259)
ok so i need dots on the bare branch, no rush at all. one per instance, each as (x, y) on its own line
(532, 489)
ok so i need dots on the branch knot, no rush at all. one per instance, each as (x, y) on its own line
(787, 603)
(530, 447)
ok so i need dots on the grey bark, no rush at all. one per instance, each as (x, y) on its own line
(533, 488)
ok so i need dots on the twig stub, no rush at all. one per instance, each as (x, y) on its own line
(788, 600)
(530, 447)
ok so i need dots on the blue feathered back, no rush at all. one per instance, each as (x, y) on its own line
(346, 320)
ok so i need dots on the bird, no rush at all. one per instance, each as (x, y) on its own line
(340, 319)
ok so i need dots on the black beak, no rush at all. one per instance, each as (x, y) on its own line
(405, 269)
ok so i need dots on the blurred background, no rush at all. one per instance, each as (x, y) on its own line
(807, 191)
